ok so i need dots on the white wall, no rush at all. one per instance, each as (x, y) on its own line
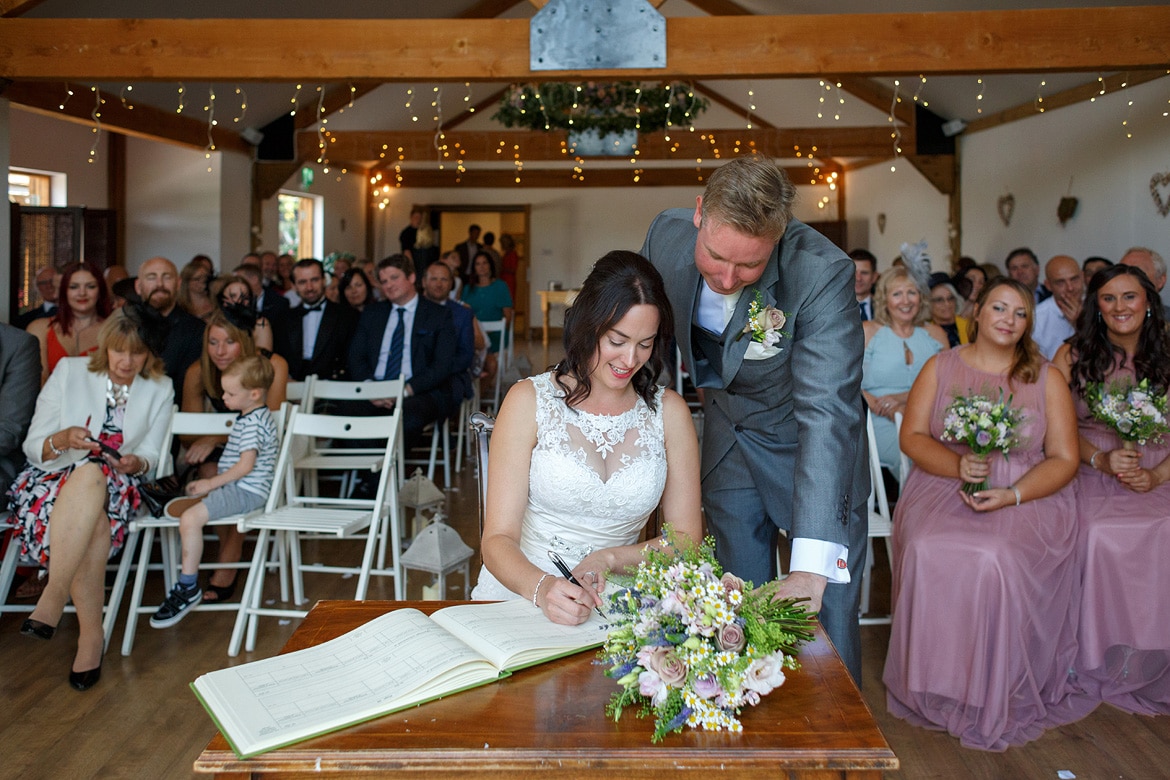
(914, 211)
(1034, 159)
(44, 143)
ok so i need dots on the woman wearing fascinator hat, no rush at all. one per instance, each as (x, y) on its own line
(97, 431)
(227, 338)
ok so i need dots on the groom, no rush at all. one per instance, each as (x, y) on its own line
(783, 434)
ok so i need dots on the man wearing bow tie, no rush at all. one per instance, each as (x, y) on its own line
(783, 437)
(48, 280)
(317, 335)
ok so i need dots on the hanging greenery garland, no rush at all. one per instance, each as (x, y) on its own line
(606, 107)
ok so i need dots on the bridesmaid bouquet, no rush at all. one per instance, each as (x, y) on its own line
(1136, 412)
(983, 425)
(692, 645)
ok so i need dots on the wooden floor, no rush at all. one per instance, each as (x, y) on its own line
(142, 721)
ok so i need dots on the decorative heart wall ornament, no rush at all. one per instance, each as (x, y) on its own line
(1160, 203)
(881, 220)
(1066, 210)
(1006, 205)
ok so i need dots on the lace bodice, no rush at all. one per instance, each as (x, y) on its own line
(592, 482)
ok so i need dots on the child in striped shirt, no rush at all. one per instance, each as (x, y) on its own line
(246, 471)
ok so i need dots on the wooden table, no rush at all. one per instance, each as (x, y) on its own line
(550, 719)
(547, 299)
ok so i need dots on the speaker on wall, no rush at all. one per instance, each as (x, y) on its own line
(279, 143)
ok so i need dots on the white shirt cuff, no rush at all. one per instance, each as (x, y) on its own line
(820, 557)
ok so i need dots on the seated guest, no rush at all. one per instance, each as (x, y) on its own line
(228, 338)
(1124, 496)
(977, 278)
(319, 332)
(1154, 267)
(72, 331)
(898, 342)
(1092, 265)
(20, 381)
(864, 277)
(436, 288)
(582, 455)
(82, 494)
(237, 290)
(157, 284)
(48, 282)
(1056, 317)
(418, 343)
(269, 304)
(1023, 266)
(241, 484)
(194, 295)
(985, 584)
(944, 305)
(355, 290)
(490, 301)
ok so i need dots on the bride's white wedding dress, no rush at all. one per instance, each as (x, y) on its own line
(593, 481)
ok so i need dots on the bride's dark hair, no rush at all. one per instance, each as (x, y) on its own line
(619, 281)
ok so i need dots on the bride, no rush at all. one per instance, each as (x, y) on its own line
(581, 455)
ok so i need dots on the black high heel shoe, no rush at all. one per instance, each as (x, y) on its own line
(38, 629)
(83, 681)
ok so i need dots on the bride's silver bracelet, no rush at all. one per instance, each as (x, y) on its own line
(536, 590)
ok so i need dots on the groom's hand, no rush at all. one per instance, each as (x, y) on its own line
(803, 585)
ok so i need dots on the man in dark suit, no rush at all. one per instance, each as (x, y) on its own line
(783, 434)
(317, 337)
(48, 280)
(438, 281)
(270, 304)
(417, 343)
(157, 284)
(467, 252)
(20, 382)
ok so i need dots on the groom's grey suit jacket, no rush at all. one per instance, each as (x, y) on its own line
(797, 415)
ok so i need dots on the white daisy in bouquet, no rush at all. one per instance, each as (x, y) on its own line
(984, 424)
(1137, 412)
(693, 646)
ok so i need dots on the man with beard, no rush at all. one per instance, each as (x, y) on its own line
(157, 285)
(316, 339)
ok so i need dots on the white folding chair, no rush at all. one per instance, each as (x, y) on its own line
(183, 424)
(291, 512)
(347, 460)
(880, 523)
(481, 429)
(905, 462)
(440, 443)
(499, 327)
(295, 392)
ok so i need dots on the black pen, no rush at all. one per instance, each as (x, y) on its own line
(560, 564)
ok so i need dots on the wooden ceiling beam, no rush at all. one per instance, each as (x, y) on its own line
(609, 177)
(142, 121)
(730, 104)
(12, 8)
(336, 99)
(535, 145)
(338, 50)
(488, 102)
(877, 95)
(1068, 97)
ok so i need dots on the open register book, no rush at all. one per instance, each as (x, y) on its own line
(398, 660)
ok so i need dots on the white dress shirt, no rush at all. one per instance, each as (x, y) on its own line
(310, 325)
(1051, 327)
(409, 309)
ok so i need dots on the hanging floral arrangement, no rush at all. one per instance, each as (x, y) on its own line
(603, 107)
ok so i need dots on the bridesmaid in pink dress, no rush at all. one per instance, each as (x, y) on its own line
(1124, 498)
(985, 586)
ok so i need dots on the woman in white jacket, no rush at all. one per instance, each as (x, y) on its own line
(99, 427)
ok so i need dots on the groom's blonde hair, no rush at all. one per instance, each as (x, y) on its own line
(753, 195)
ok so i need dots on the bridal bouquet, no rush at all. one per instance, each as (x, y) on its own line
(1136, 412)
(983, 425)
(692, 645)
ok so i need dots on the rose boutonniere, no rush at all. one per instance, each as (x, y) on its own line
(765, 323)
